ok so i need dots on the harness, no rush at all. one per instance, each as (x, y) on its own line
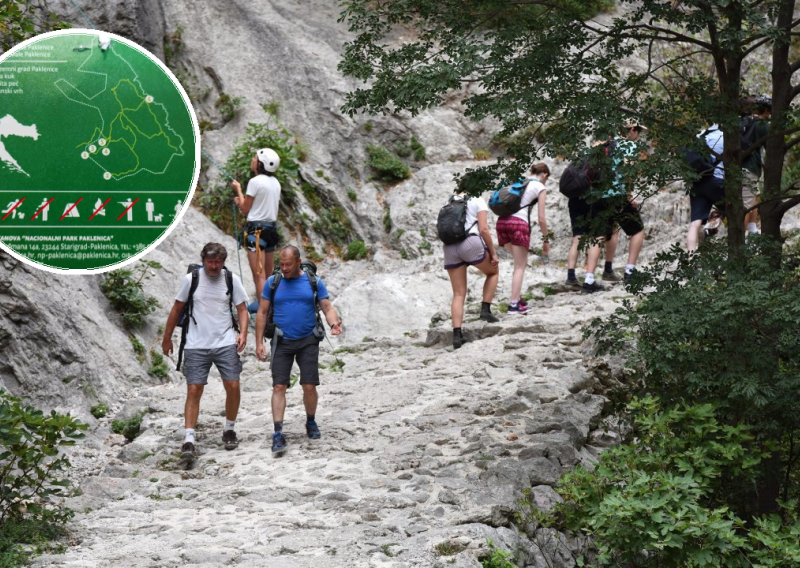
(255, 229)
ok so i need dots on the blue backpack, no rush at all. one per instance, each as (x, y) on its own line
(507, 200)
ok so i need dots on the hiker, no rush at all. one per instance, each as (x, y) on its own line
(477, 250)
(754, 126)
(210, 339)
(707, 190)
(296, 337)
(260, 233)
(514, 232)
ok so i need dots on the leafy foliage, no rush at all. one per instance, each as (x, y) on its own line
(356, 250)
(158, 366)
(125, 291)
(386, 165)
(31, 468)
(217, 201)
(665, 501)
(129, 428)
(498, 558)
(228, 105)
(23, 19)
(715, 328)
(99, 410)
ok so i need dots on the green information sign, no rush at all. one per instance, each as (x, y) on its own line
(99, 151)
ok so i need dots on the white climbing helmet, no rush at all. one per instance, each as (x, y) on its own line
(269, 158)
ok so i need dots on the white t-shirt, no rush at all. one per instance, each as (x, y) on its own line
(266, 193)
(474, 206)
(214, 328)
(531, 193)
(714, 140)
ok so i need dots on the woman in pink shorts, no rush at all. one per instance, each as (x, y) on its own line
(514, 232)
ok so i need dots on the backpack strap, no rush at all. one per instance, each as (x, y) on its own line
(189, 311)
(229, 283)
(277, 276)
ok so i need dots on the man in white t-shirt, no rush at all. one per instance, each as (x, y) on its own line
(210, 339)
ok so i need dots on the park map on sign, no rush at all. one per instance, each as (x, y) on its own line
(97, 151)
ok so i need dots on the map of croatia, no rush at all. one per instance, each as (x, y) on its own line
(10, 126)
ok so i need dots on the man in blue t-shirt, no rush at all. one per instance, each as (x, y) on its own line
(295, 317)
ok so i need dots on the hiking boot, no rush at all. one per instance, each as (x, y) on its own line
(592, 288)
(629, 275)
(230, 440)
(489, 316)
(278, 443)
(312, 430)
(458, 341)
(187, 451)
(523, 303)
(572, 284)
(611, 277)
(518, 309)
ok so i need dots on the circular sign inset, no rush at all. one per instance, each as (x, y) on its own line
(99, 152)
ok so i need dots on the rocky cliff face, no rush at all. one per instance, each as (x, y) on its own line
(425, 450)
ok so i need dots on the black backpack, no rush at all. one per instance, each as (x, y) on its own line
(450, 225)
(311, 272)
(747, 132)
(584, 173)
(699, 162)
(187, 315)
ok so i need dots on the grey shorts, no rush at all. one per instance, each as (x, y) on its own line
(749, 188)
(197, 364)
(306, 351)
(470, 251)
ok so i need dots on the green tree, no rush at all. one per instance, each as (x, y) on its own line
(22, 19)
(536, 64)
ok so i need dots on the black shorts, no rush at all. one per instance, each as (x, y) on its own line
(305, 351)
(581, 214)
(705, 193)
(599, 218)
(265, 232)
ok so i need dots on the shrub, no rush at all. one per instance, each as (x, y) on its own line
(138, 348)
(129, 428)
(418, 148)
(351, 194)
(333, 224)
(125, 292)
(99, 410)
(387, 166)
(498, 558)
(664, 501)
(228, 105)
(356, 250)
(158, 366)
(31, 466)
(387, 219)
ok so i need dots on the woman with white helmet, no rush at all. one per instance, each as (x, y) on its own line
(260, 204)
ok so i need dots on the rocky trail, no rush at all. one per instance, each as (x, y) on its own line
(425, 452)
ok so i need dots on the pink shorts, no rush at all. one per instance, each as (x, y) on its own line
(513, 230)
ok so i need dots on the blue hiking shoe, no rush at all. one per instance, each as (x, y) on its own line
(313, 430)
(278, 443)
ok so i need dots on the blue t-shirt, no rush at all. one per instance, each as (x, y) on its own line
(294, 312)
